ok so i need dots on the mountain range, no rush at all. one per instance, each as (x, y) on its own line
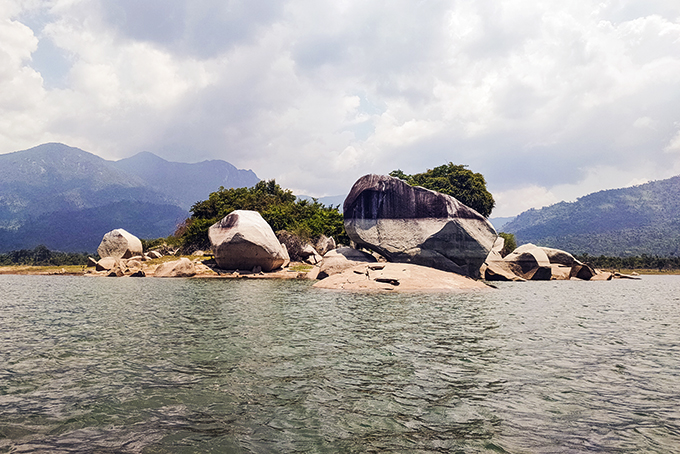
(643, 219)
(67, 198)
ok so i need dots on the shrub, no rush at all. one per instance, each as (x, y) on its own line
(510, 243)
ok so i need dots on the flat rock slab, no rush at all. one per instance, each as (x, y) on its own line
(398, 277)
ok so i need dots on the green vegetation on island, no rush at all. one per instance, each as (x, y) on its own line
(42, 256)
(279, 207)
(457, 181)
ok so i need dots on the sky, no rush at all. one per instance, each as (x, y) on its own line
(549, 101)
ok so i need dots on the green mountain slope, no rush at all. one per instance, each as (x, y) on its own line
(186, 183)
(82, 230)
(67, 198)
(54, 177)
(644, 219)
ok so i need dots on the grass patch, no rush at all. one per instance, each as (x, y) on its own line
(29, 269)
(646, 271)
(300, 267)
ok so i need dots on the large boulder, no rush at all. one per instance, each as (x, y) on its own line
(244, 240)
(530, 262)
(106, 264)
(559, 257)
(498, 270)
(120, 244)
(413, 224)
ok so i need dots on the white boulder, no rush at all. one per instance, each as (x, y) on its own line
(119, 244)
(244, 240)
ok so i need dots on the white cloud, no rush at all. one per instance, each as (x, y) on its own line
(548, 101)
(674, 144)
(514, 201)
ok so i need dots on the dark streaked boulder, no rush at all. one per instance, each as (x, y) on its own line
(416, 225)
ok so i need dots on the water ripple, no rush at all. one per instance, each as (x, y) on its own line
(147, 366)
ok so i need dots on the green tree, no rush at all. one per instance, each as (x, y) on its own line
(457, 181)
(510, 243)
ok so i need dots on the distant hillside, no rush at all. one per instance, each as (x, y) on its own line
(186, 183)
(67, 198)
(82, 230)
(499, 223)
(638, 220)
(54, 177)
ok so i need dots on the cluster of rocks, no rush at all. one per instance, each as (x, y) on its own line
(533, 263)
(305, 252)
(413, 225)
(243, 243)
(122, 255)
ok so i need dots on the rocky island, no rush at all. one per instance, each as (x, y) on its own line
(403, 238)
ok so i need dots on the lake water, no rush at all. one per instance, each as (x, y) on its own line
(165, 366)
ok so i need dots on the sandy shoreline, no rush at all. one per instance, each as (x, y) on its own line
(79, 270)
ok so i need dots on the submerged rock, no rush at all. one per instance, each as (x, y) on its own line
(415, 225)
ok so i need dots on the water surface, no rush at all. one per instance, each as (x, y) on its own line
(175, 365)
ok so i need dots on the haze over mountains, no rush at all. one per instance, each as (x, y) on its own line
(67, 198)
(643, 219)
(186, 183)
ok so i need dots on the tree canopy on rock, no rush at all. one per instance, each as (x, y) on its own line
(457, 181)
(278, 206)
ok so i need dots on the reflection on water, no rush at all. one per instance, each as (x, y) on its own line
(125, 365)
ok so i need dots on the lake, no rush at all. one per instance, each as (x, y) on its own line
(239, 366)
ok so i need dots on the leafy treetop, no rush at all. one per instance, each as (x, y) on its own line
(457, 181)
